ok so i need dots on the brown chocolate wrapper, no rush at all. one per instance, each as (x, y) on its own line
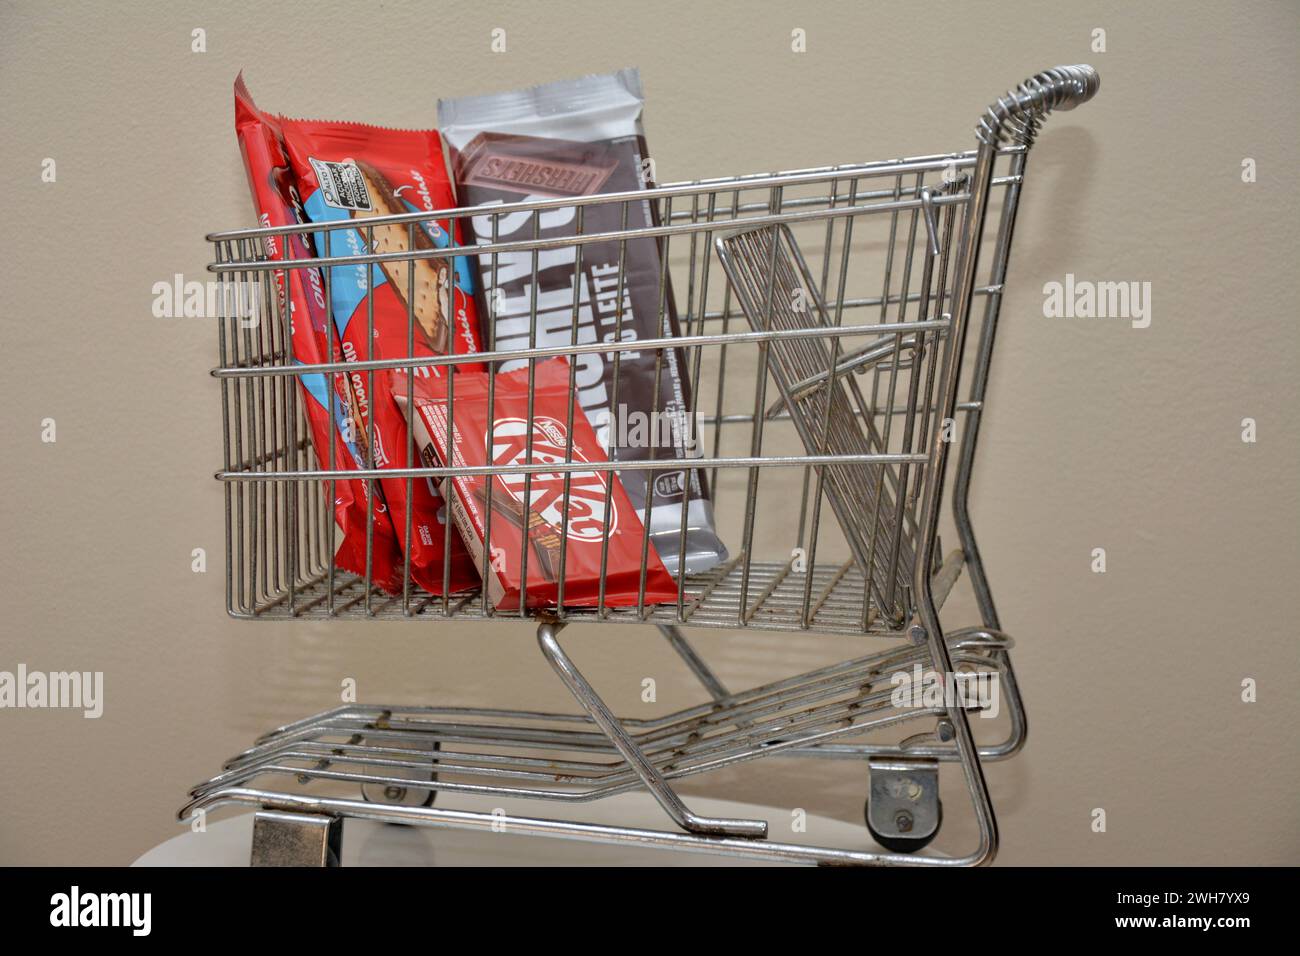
(639, 403)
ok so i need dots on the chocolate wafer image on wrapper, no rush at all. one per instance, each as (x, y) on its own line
(432, 288)
(544, 539)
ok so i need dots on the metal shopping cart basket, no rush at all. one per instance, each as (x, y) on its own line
(825, 324)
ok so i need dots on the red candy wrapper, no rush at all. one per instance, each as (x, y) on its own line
(302, 298)
(353, 172)
(529, 525)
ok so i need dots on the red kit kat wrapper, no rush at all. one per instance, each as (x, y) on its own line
(530, 529)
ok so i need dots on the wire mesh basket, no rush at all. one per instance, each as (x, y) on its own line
(820, 320)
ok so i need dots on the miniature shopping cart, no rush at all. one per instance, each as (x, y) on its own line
(826, 321)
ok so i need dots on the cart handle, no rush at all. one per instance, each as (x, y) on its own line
(1016, 118)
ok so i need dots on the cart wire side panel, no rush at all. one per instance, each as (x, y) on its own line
(834, 330)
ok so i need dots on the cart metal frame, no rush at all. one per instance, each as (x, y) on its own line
(875, 405)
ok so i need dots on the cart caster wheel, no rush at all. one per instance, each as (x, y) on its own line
(398, 796)
(903, 810)
(895, 843)
(413, 796)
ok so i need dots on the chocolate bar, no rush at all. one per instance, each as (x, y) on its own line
(500, 161)
(582, 515)
(351, 173)
(544, 539)
(575, 139)
(313, 341)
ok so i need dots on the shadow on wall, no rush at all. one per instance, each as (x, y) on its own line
(1070, 169)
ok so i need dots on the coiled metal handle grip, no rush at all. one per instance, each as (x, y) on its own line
(1016, 118)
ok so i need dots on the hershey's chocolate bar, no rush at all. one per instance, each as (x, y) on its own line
(568, 140)
(501, 161)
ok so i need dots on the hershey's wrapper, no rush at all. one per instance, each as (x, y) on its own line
(571, 139)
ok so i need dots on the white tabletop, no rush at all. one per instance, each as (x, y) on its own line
(226, 842)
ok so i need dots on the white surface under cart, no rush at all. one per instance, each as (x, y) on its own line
(366, 843)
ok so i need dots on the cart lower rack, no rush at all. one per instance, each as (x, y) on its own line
(827, 314)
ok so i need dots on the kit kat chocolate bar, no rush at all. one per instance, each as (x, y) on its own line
(529, 531)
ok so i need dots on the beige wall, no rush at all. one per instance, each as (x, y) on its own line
(1098, 435)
